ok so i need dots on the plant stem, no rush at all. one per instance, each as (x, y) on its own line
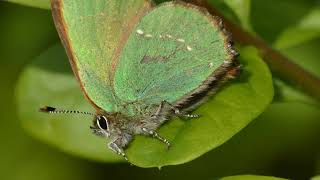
(279, 64)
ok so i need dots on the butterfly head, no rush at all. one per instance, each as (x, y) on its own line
(101, 126)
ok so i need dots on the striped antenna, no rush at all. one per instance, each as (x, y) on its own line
(48, 109)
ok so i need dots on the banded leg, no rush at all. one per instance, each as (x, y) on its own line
(157, 136)
(176, 110)
(186, 115)
(115, 148)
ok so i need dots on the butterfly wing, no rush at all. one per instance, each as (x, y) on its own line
(93, 33)
(173, 52)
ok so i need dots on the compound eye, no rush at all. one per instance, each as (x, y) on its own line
(102, 122)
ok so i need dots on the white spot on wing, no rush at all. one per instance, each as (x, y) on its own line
(140, 32)
(227, 62)
(148, 36)
(181, 40)
(210, 64)
(189, 48)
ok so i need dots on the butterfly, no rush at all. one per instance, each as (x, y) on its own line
(140, 65)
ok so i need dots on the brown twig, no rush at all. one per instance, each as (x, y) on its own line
(279, 64)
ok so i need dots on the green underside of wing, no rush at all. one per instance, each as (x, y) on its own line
(96, 29)
(170, 53)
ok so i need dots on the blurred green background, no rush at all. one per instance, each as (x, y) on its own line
(282, 142)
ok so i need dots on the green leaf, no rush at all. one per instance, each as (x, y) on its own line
(307, 29)
(44, 4)
(242, 9)
(285, 133)
(251, 177)
(235, 10)
(287, 93)
(315, 178)
(306, 55)
(48, 81)
(272, 17)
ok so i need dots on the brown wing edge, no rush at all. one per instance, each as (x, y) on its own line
(228, 70)
(149, 6)
(62, 29)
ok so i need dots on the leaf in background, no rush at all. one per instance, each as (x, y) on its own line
(315, 178)
(44, 4)
(46, 82)
(306, 55)
(229, 11)
(301, 44)
(272, 17)
(251, 177)
(317, 167)
(242, 9)
(307, 29)
(285, 92)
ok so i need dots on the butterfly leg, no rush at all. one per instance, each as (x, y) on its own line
(156, 135)
(118, 144)
(176, 110)
(115, 148)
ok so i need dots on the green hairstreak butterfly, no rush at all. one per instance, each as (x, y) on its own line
(140, 65)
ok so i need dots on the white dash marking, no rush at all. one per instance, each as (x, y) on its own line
(189, 48)
(160, 36)
(227, 62)
(181, 40)
(168, 36)
(148, 36)
(140, 32)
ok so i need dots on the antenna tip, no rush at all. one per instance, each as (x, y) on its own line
(47, 109)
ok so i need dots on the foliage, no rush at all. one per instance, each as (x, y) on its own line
(277, 143)
(224, 115)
